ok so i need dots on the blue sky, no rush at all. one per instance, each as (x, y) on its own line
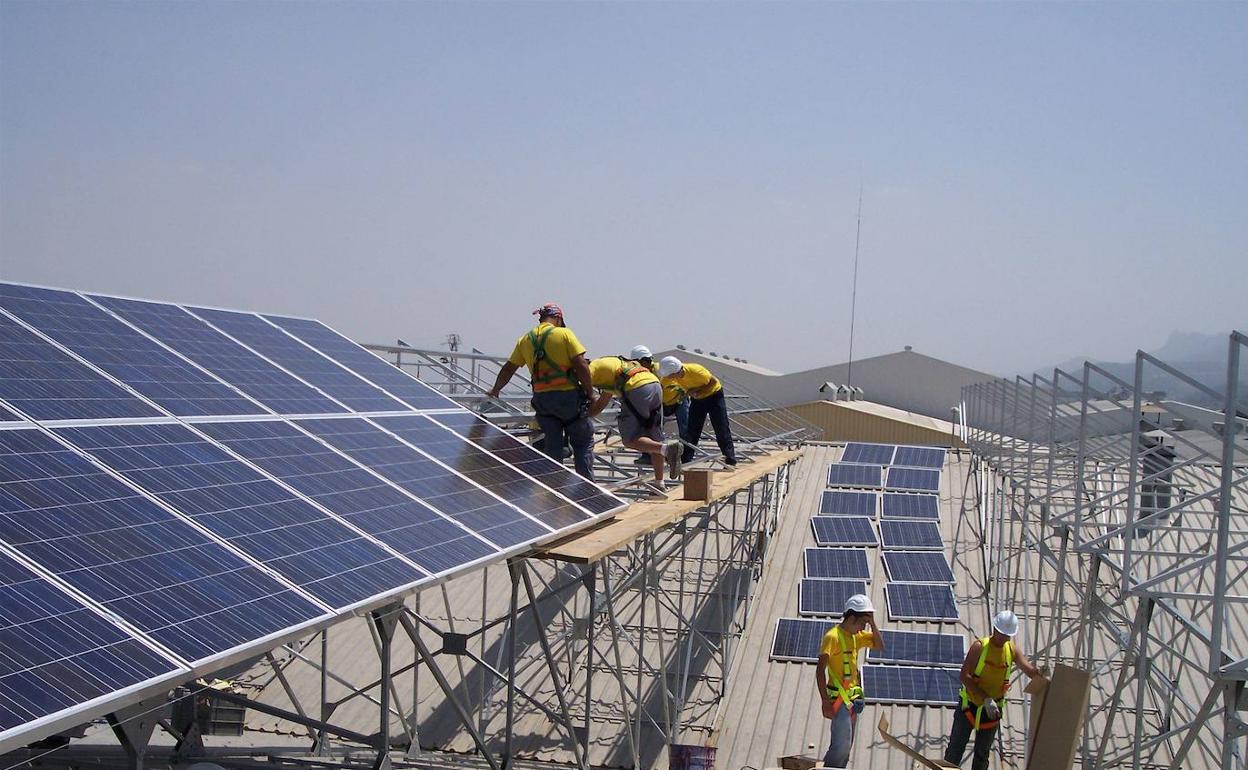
(1041, 181)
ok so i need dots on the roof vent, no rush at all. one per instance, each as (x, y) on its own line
(908, 348)
(698, 350)
(681, 347)
(713, 353)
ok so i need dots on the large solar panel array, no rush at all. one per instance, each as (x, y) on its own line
(280, 476)
(844, 530)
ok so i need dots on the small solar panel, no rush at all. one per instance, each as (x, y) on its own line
(915, 535)
(919, 457)
(798, 639)
(850, 475)
(839, 502)
(913, 478)
(920, 648)
(840, 563)
(903, 506)
(870, 454)
(817, 596)
(916, 567)
(911, 685)
(843, 530)
(921, 601)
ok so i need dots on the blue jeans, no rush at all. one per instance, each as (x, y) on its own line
(842, 738)
(559, 414)
(681, 410)
(715, 408)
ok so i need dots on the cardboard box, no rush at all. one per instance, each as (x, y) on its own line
(798, 762)
(1058, 710)
(933, 764)
(698, 484)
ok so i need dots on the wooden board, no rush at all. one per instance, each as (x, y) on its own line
(642, 518)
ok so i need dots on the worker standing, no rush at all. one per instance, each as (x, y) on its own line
(706, 398)
(675, 400)
(840, 691)
(985, 678)
(562, 390)
(640, 419)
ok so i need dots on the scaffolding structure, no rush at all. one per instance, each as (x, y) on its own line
(1116, 526)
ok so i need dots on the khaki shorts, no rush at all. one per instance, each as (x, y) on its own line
(647, 400)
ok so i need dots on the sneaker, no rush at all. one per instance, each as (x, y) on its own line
(672, 455)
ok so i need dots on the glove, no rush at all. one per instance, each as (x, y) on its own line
(858, 704)
(992, 710)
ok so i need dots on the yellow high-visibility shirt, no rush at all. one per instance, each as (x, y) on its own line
(837, 663)
(672, 393)
(992, 679)
(560, 347)
(604, 373)
(694, 376)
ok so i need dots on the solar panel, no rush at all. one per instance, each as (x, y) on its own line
(817, 596)
(798, 639)
(228, 360)
(903, 506)
(319, 553)
(871, 454)
(540, 466)
(133, 557)
(841, 563)
(917, 567)
(932, 602)
(298, 359)
(58, 654)
(913, 478)
(393, 380)
(919, 457)
(127, 355)
(911, 685)
(920, 648)
(841, 502)
(843, 530)
(915, 535)
(849, 475)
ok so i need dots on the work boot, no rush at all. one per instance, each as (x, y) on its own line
(672, 455)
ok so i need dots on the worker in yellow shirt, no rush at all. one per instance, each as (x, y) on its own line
(640, 420)
(836, 675)
(675, 400)
(562, 391)
(986, 673)
(706, 398)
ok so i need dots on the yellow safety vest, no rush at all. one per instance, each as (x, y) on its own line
(838, 686)
(1007, 657)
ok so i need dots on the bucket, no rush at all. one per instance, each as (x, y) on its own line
(685, 757)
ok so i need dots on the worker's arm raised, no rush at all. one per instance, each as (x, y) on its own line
(968, 672)
(877, 636)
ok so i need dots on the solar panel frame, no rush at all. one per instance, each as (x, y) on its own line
(837, 563)
(868, 453)
(918, 567)
(905, 505)
(850, 475)
(910, 535)
(844, 531)
(920, 648)
(913, 479)
(911, 685)
(840, 502)
(825, 596)
(921, 602)
(798, 639)
(919, 457)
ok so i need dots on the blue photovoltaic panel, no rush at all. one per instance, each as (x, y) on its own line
(919, 457)
(46, 383)
(817, 596)
(842, 503)
(799, 639)
(475, 463)
(228, 360)
(133, 557)
(913, 478)
(316, 552)
(56, 654)
(123, 353)
(915, 535)
(911, 685)
(840, 563)
(902, 506)
(921, 601)
(297, 358)
(444, 490)
(870, 454)
(843, 530)
(5, 414)
(529, 460)
(917, 567)
(348, 490)
(385, 375)
(849, 475)
(919, 648)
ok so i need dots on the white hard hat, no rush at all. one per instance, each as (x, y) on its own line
(1006, 622)
(859, 603)
(669, 366)
(639, 352)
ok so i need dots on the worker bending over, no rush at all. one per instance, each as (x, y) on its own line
(985, 679)
(640, 420)
(706, 398)
(675, 401)
(562, 391)
(840, 691)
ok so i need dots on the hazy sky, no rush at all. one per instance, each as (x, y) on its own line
(1041, 181)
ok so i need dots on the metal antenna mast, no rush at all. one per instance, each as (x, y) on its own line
(853, 302)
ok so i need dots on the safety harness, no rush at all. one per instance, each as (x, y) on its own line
(627, 371)
(974, 715)
(844, 696)
(549, 373)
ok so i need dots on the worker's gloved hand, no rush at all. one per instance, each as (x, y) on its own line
(992, 710)
(858, 704)
(1044, 671)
